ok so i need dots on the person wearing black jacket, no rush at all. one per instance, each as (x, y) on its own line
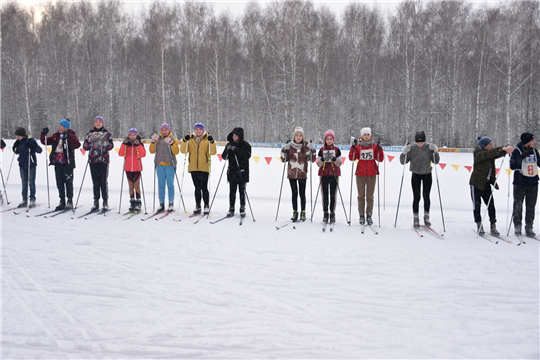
(27, 147)
(238, 153)
(63, 144)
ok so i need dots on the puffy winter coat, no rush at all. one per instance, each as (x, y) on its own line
(367, 153)
(133, 154)
(98, 142)
(329, 168)
(20, 148)
(199, 154)
(298, 156)
(420, 158)
(163, 151)
(69, 147)
(516, 163)
(240, 151)
(484, 163)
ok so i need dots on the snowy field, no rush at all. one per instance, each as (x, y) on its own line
(108, 288)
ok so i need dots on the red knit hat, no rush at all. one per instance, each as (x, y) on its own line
(329, 133)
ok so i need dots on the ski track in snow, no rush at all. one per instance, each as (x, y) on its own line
(105, 288)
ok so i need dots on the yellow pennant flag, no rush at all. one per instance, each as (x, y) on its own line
(279, 159)
(49, 149)
(256, 158)
(508, 171)
(455, 166)
(117, 150)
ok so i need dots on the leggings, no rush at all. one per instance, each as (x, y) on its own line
(416, 182)
(134, 178)
(295, 184)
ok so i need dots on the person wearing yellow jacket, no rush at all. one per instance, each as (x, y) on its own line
(165, 146)
(200, 146)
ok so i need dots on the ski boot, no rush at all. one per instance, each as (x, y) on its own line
(161, 208)
(206, 210)
(242, 211)
(61, 205)
(197, 210)
(131, 204)
(529, 231)
(303, 215)
(325, 218)
(105, 206)
(69, 204)
(332, 218)
(32, 204)
(171, 207)
(480, 229)
(23, 204)
(517, 230)
(369, 220)
(362, 219)
(230, 213)
(95, 207)
(294, 216)
(137, 206)
(493, 230)
(426, 219)
(416, 221)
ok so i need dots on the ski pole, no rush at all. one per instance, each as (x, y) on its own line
(311, 179)
(154, 200)
(176, 175)
(9, 172)
(510, 225)
(281, 188)
(508, 204)
(28, 182)
(82, 182)
(339, 190)
(142, 184)
(244, 185)
(122, 181)
(401, 186)
(352, 175)
(384, 186)
(316, 197)
(217, 187)
(491, 195)
(47, 172)
(183, 172)
(378, 183)
(4, 185)
(440, 201)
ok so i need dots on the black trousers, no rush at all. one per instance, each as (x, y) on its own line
(241, 186)
(64, 181)
(200, 180)
(296, 185)
(329, 187)
(477, 197)
(529, 194)
(418, 181)
(100, 173)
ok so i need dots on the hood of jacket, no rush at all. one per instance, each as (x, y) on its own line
(238, 131)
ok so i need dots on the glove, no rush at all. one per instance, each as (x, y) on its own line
(333, 159)
(287, 146)
(526, 153)
(155, 137)
(126, 141)
(406, 149)
(137, 142)
(64, 136)
(311, 146)
(433, 147)
(45, 130)
(186, 138)
(15, 145)
(210, 138)
(231, 147)
(30, 145)
(95, 136)
(168, 141)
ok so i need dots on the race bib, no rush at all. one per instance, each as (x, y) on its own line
(366, 154)
(529, 167)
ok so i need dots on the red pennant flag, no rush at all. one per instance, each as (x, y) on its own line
(468, 168)
(497, 171)
(268, 159)
(442, 165)
(343, 160)
(316, 160)
(220, 157)
(390, 158)
(83, 151)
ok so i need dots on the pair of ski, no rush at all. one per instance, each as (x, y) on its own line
(287, 223)
(158, 215)
(52, 213)
(495, 240)
(430, 230)
(363, 226)
(21, 210)
(228, 217)
(93, 213)
(128, 215)
(191, 216)
(325, 225)
(521, 241)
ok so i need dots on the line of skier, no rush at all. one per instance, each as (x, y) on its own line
(297, 155)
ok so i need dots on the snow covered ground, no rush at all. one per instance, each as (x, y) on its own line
(108, 288)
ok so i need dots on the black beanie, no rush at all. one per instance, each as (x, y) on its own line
(420, 136)
(20, 132)
(526, 138)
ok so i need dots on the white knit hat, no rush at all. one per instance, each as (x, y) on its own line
(365, 130)
(298, 130)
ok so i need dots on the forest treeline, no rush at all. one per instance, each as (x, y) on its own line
(449, 68)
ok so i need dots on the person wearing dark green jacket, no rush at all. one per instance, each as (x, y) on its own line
(483, 177)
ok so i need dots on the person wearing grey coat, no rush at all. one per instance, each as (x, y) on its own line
(420, 155)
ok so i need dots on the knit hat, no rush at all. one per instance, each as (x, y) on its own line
(298, 130)
(167, 126)
(526, 138)
(483, 141)
(329, 133)
(420, 136)
(201, 125)
(20, 132)
(99, 118)
(65, 123)
(365, 130)
(133, 131)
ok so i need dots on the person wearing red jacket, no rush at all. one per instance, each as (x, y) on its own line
(329, 163)
(368, 153)
(132, 149)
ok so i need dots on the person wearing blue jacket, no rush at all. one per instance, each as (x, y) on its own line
(525, 161)
(27, 147)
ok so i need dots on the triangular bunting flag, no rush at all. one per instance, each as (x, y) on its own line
(3, 149)
(442, 165)
(268, 159)
(83, 151)
(390, 158)
(117, 150)
(468, 168)
(455, 166)
(343, 160)
(256, 158)
(279, 159)
(49, 150)
(316, 160)
(497, 171)
(220, 157)
(508, 171)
